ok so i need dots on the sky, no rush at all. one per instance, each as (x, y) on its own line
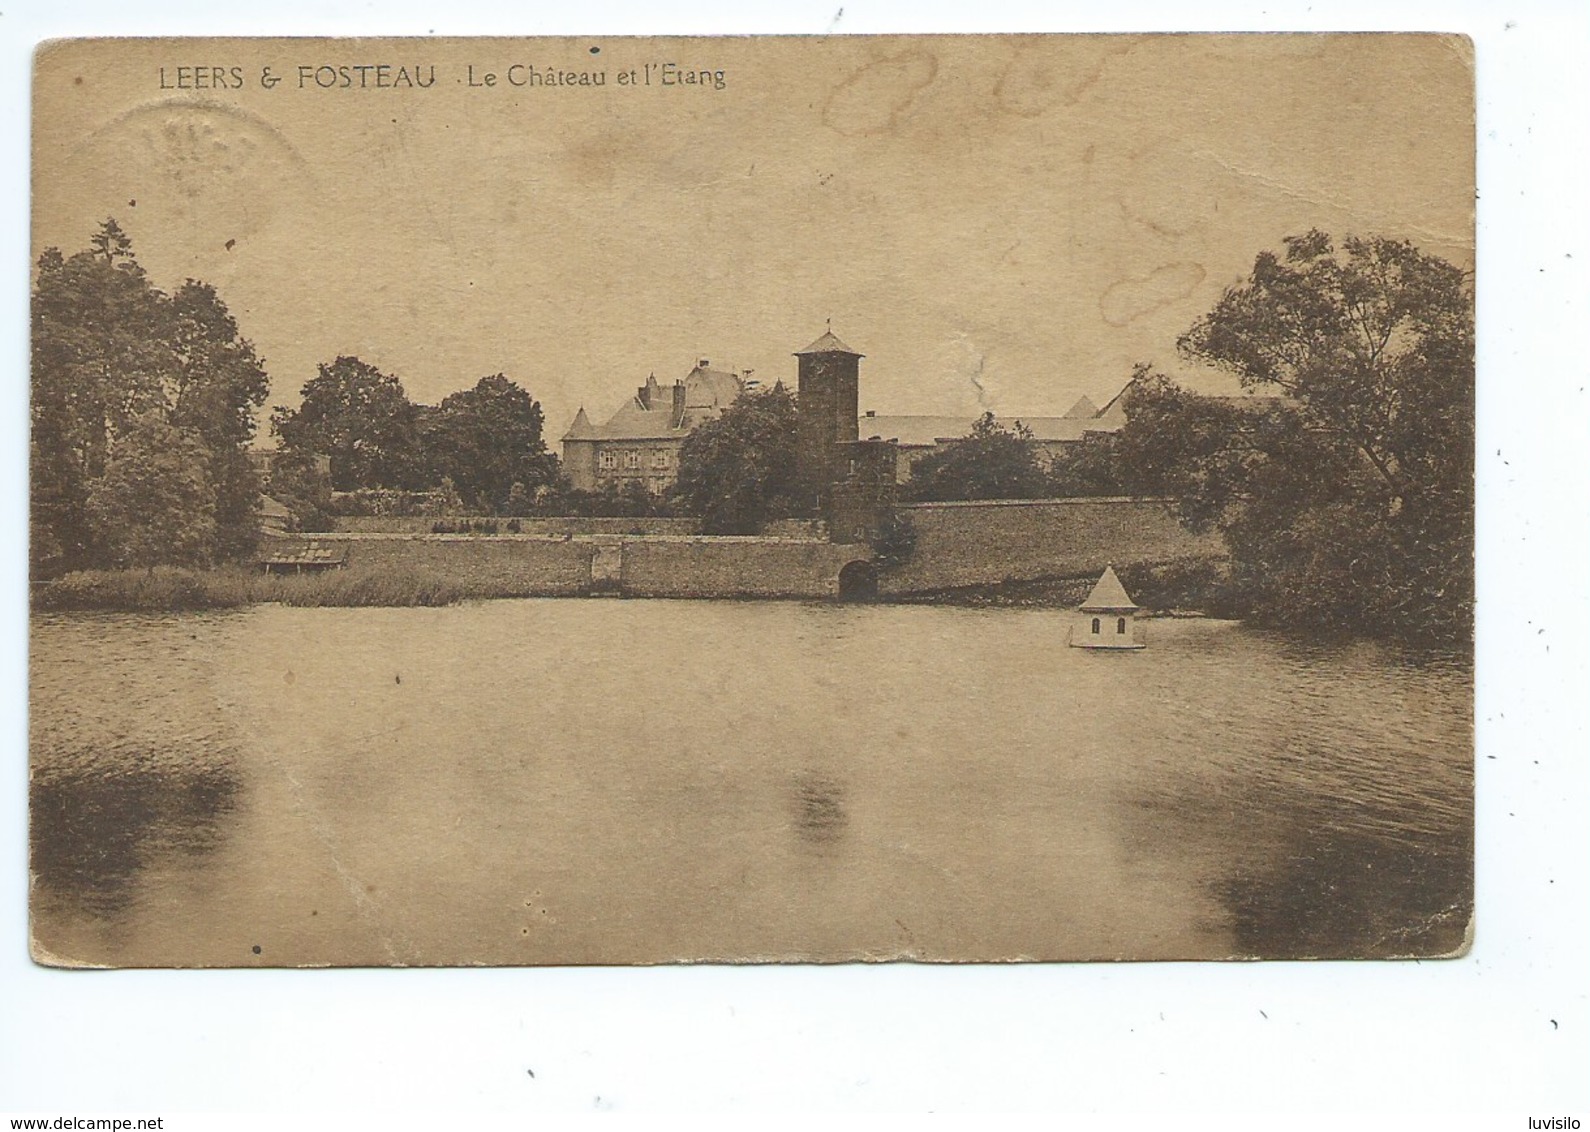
(1002, 223)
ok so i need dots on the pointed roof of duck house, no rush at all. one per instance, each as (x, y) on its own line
(1108, 595)
(828, 344)
(582, 428)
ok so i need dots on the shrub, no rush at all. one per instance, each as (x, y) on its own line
(1203, 584)
(895, 541)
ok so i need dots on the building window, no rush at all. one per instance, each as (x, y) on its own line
(632, 459)
(659, 458)
(1120, 624)
(658, 485)
(1095, 626)
(607, 461)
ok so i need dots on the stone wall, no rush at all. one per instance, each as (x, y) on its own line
(573, 525)
(569, 525)
(957, 544)
(733, 567)
(511, 565)
(638, 566)
(965, 544)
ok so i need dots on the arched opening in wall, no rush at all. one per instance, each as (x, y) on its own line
(858, 581)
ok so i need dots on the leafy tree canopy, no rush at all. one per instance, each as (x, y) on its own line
(300, 483)
(362, 419)
(1087, 467)
(740, 470)
(108, 350)
(990, 462)
(154, 505)
(489, 439)
(1346, 497)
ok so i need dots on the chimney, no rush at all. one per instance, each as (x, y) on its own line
(703, 364)
(872, 412)
(679, 404)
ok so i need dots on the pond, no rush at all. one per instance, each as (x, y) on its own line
(614, 781)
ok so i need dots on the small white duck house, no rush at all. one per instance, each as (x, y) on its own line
(1108, 618)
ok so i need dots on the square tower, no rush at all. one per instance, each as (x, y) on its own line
(826, 409)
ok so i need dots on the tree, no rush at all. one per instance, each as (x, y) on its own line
(895, 540)
(362, 419)
(519, 502)
(110, 349)
(990, 462)
(487, 439)
(98, 359)
(154, 505)
(740, 470)
(219, 384)
(1376, 346)
(1087, 467)
(1346, 498)
(299, 483)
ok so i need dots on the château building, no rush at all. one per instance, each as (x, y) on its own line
(640, 443)
(916, 436)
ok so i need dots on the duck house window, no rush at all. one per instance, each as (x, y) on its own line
(1095, 626)
(1120, 624)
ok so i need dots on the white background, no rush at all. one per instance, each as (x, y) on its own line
(1506, 1029)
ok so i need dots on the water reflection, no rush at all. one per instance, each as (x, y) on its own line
(1331, 891)
(91, 835)
(829, 781)
(820, 817)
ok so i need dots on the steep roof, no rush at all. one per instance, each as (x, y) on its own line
(1083, 408)
(711, 388)
(828, 344)
(633, 422)
(1114, 411)
(1108, 595)
(707, 393)
(270, 508)
(581, 429)
(918, 431)
(914, 430)
(313, 554)
(1057, 428)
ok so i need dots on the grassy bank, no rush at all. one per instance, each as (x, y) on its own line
(173, 589)
(1183, 585)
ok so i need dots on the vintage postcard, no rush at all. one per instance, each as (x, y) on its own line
(628, 501)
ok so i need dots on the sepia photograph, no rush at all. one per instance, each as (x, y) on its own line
(630, 501)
